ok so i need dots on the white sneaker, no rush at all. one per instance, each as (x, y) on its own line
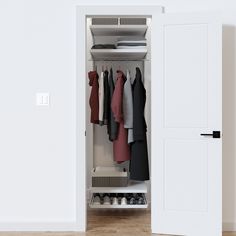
(115, 201)
(123, 201)
(97, 201)
(106, 200)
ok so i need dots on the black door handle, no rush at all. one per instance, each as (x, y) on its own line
(215, 134)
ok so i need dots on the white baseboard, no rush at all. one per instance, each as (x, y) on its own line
(229, 226)
(39, 226)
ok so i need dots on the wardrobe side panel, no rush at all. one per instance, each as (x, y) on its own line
(89, 126)
(81, 214)
(147, 84)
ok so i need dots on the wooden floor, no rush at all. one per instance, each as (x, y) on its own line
(109, 223)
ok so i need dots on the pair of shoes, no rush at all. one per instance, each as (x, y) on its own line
(99, 199)
(140, 201)
(136, 199)
(115, 201)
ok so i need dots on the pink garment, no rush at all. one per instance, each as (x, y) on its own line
(121, 148)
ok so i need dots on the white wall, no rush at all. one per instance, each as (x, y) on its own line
(37, 144)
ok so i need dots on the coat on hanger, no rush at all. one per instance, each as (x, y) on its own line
(121, 148)
(139, 167)
(101, 98)
(112, 126)
(94, 100)
(106, 104)
(128, 107)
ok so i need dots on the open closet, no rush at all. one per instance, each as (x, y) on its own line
(149, 108)
(118, 117)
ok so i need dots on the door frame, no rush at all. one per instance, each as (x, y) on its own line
(82, 12)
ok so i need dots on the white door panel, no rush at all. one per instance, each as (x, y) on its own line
(183, 105)
(186, 101)
(175, 181)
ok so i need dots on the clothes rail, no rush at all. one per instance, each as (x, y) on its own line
(117, 60)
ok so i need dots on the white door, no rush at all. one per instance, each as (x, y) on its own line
(186, 102)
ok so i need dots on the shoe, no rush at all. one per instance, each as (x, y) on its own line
(97, 201)
(123, 201)
(140, 201)
(106, 201)
(115, 201)
(132, 201)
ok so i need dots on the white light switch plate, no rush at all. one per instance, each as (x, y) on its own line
(42, 99)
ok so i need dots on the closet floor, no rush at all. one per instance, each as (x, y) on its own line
(109, 223)
(119, 223)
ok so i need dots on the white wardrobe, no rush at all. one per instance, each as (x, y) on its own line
(181, 68)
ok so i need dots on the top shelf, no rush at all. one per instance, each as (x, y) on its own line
(118, 30)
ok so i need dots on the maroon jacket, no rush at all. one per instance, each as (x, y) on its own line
(93, 100)
(121, 148)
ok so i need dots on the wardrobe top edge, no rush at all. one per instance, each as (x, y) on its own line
(119, 10)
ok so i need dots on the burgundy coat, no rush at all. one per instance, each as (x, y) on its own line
(121, 148)
(93, 100)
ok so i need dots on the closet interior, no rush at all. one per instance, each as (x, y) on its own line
(118, 51)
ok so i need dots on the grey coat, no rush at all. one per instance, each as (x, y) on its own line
(128, 107)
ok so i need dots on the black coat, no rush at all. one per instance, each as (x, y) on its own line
(106, 98)
(112, 126)
(139, 167)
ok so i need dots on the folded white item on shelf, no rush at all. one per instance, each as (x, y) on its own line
(131, 47)
(131, 41)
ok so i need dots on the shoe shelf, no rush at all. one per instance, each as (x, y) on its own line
(133, 187)
(118, 30)
(118, 206)
(119, 54)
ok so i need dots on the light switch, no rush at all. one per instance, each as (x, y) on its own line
(42, 99)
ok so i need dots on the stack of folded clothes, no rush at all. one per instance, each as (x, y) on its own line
(131, 43)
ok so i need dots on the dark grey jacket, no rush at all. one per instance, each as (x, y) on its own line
(107, 103)
(112, 126)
